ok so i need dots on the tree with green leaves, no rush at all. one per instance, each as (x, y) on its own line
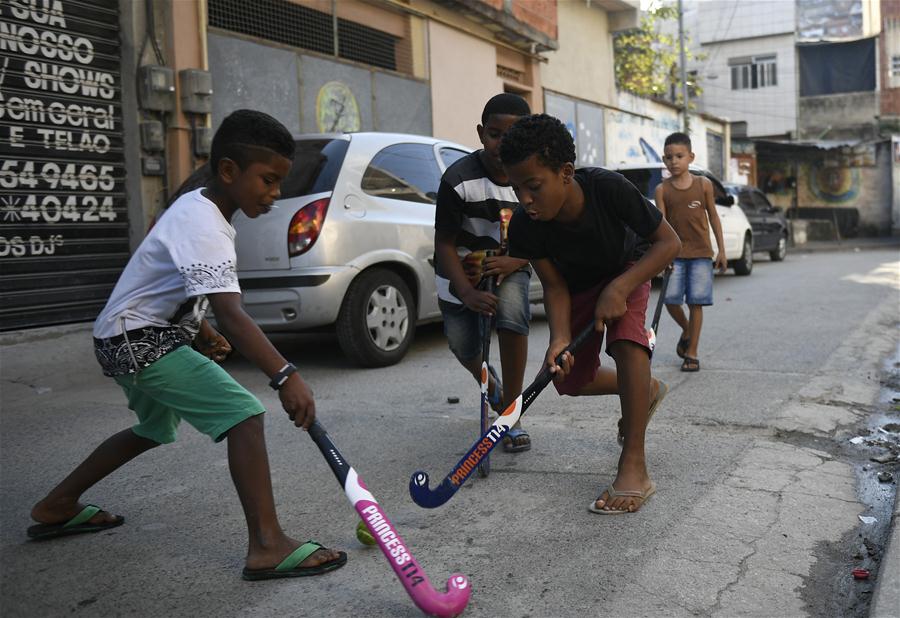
(646, 57)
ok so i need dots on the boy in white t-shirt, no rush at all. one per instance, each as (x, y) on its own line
(142, 339)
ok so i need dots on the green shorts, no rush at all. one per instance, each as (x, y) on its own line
(184, 384)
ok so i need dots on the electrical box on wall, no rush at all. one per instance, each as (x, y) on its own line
(152, 138)
(196, 91)
(157, 88)
(153, 166)
(202, 141)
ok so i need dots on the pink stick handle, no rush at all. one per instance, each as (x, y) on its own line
(411, 575)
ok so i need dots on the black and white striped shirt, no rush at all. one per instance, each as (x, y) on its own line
(469, 204)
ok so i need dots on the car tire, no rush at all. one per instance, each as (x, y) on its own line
(377, 320)
(778, 254)
(744, 265)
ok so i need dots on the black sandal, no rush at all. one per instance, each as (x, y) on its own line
(681, 348)
(690, 364)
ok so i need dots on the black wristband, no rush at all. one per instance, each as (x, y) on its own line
(281, 377)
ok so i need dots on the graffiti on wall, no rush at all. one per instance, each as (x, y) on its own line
(585, 122)
(636, 139)
(336, 109)
(833, 185)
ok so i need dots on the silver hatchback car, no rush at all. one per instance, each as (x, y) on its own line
(350, 244)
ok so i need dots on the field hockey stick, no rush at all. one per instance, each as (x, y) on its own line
(487, 324)
(411, 575)
(429, 498)
(654, 325)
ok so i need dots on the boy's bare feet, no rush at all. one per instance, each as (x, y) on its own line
(271, 556)
(632, 477)
(60, 511)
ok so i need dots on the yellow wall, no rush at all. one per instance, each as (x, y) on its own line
(463, 78)
(583, 65)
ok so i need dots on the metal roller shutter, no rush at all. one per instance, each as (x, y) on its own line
(63, 219)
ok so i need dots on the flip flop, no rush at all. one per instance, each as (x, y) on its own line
(660, 395)
(690, 364)
(611, 493)
(681, 348)
(510, 446)
(79, 524)
(289, 568)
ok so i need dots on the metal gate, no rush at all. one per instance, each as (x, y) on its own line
(63, 223)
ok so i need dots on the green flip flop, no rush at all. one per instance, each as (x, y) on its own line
(289, 566)
(79, 524)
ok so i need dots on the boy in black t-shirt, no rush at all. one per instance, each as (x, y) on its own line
(595, 242)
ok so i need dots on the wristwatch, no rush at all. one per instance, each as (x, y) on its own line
(281, 377)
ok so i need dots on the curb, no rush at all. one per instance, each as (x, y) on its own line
(849, 244)
(886, 598)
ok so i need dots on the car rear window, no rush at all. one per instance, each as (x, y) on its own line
(645, 179)
(317, 163)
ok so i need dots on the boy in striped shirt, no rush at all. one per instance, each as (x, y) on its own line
(474, 201)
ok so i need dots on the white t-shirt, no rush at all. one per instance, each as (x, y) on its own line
(188, 253)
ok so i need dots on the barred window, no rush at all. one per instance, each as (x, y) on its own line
(752, 73)
(292, 24)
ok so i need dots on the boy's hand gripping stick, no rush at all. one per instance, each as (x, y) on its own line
(429, 498)
(411, 575)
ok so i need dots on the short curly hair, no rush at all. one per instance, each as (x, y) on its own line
(245, 135)
(541, 135)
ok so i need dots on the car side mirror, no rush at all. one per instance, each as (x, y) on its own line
(725, 200)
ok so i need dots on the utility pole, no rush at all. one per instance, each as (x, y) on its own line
(682, 61)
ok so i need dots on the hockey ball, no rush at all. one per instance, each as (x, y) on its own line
(363, 535)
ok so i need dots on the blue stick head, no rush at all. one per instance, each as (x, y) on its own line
(426, 497)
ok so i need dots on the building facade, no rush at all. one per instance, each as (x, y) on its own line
(107, 106)
(747, 68)
(805, 85)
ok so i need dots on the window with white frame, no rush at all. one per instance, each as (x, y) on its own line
(891, 35)
(752, 72)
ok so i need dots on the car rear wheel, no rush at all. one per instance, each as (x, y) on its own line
(778, 253)
(744, 265)
(377, 320)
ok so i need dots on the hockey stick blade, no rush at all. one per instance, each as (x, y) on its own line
(429, 498)
(453, 601)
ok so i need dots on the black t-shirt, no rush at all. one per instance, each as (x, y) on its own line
(610, 232)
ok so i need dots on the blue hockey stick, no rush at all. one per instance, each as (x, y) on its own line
(429, 498)
(487, 324)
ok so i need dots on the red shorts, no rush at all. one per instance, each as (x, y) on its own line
(630, 327)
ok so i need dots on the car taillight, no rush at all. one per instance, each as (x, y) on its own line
(305, 227)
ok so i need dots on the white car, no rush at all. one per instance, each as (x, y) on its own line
(736, 230)
(350, 246)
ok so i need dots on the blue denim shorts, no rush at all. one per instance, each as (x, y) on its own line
(691, 281)
(463, 326)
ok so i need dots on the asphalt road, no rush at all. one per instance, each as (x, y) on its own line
(758, 491)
